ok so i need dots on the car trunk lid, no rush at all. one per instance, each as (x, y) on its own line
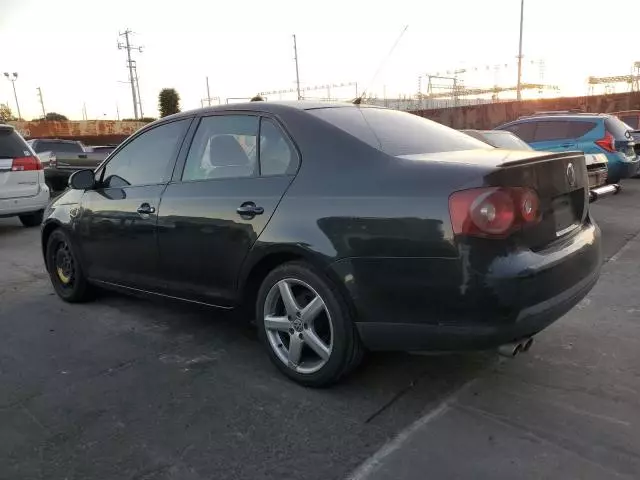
(559, 179)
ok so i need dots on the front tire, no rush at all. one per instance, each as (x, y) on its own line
(306, 326)
(32, 219)
(65, 271)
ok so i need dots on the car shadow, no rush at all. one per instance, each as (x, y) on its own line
(388, 389)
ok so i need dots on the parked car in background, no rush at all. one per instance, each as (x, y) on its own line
(630, 117)
(23, 192)
(499, 139)
(63, 157)
(340, 226)
(596, 164)
(597, 135)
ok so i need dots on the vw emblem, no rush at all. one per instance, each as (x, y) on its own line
(571, 175)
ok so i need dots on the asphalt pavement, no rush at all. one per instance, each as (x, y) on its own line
(128, 388)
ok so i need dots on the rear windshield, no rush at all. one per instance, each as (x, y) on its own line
(58, 147)
(617, 128)
(506, 140)
(632, 120)
(397, 133)
(12, 145)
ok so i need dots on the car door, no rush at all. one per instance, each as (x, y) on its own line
(553, 136)
(222, 195)
(117, 224)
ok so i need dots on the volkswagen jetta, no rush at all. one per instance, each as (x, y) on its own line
(342, 226)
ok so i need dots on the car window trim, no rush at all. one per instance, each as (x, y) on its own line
(99, 171)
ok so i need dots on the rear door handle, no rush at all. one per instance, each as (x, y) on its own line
(146, 209)
(249, 209)
(567, 145)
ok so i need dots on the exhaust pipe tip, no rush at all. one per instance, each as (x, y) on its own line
(510, 350)
(526, 346)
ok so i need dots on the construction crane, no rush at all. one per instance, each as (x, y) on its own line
(633, 80)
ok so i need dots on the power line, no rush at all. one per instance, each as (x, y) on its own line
(131, 65)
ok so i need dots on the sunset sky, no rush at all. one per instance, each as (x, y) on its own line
(69, 47)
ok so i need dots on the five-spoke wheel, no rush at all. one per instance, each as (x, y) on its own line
(306, 325)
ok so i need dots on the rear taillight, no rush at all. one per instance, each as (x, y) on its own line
(23, 164)
(494, 211)
(608, 142)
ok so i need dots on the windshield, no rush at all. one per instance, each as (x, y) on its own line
(397, 133)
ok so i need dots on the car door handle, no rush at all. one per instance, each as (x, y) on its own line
(146, 209)
(566, 145)
(249, 209)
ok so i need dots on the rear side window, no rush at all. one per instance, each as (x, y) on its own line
(551, 130)
(57, 147)
(12, 145)
(525, 130)
(617, 128)
(579, 129)
(397, 133)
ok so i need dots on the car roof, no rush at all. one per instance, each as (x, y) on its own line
(564, 116)
(268, 107)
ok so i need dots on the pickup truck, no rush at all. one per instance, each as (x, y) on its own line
(60, 158)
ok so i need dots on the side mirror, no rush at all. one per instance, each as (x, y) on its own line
(82, 180)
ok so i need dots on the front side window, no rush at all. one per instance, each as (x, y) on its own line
(224, 146)
(276, 155)
(146, 159)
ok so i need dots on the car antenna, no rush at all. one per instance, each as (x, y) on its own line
(358, 101)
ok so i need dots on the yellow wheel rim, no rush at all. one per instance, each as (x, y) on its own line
(63, 278)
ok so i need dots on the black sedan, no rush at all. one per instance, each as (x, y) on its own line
(341, 227)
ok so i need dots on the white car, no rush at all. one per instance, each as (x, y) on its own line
(23, 192)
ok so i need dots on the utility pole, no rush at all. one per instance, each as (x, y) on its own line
(135, 71)
(208, 93)
(519, 86)
(295, 57)
(117, 111)
(44, 113)
(128, 47)
(12, 78)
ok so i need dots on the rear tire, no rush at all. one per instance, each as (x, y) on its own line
(32, 219)
(65, 271)
(311, 339)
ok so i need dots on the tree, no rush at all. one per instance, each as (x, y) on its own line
(5, 113)
(168, 102)
(55, 117)
(257, 98)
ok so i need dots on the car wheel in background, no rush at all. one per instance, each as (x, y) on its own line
(32, 219)
(65, 270)
(306, 326)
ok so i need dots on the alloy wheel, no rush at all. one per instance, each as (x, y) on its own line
(298, 325)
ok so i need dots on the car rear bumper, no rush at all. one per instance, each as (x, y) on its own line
(16, 206)
(444, 305)
(443, 338)
(621, 167)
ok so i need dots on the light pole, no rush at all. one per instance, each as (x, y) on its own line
(12, 78)
(519, 86)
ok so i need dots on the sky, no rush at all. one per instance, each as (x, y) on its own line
(69, 48)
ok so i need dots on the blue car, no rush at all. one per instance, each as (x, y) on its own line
(595, 134)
